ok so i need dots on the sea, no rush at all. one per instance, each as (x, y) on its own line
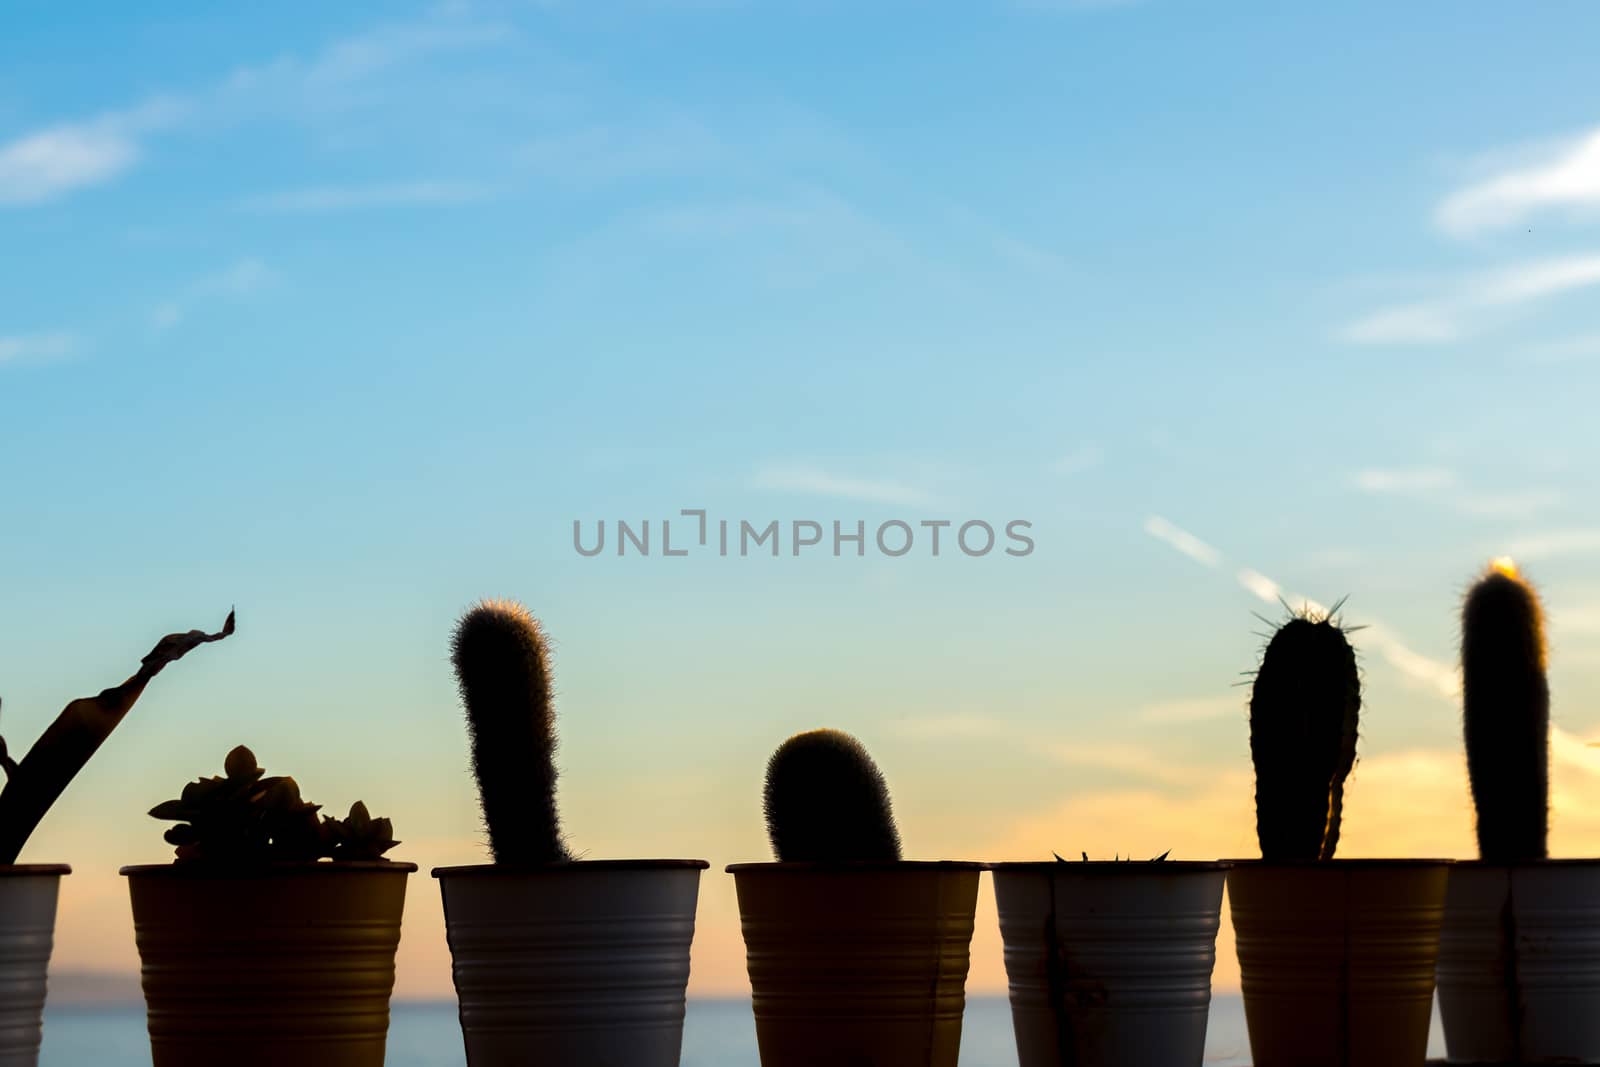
(716, 1033)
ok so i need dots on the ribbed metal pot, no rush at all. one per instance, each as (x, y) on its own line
(572, 965)
(28, 895)
(1109, 964)
(859, 964)
(288, 964)
(1337, 959)
(1519, 963)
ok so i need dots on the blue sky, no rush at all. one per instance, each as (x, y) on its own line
(344, 314)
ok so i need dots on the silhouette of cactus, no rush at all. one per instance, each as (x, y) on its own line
(825, 800)
(37, 782)
(503, 671)
(1304, 711)
(1507, 715)
(245, 817)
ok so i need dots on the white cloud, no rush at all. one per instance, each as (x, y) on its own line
(1584, 346)
(1552, 543)
(803, 478)
(949, 726)
(351, 197)
(49, 163)
(1429, 673)
(1404, 480)
(28, 347)
(1562, 177)
(1474, 304)
(1182, 540)
(1080, 459)
(239, 279)
(66, 157)
(1199, 709)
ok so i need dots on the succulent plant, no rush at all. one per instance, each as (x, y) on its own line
(826, 800)
(1116, 858)
(246, 817)
(1305, 706)
(38, 780)
(1507, 715)
(503, 671)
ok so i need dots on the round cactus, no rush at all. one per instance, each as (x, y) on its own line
(825, 800)
(1304, 712)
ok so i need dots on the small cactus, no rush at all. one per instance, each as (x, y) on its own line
(825, 800)
(246, 817)
(1304, 711)
(1506, 701)
(503, 672)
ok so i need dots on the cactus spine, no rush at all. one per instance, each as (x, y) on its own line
(1506, 701)
(503, 672)
(1304, 714)
(825, 800)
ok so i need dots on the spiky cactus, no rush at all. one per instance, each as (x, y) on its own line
(825, 800)
(503, 671)
(1507, 715)
(1304, 712)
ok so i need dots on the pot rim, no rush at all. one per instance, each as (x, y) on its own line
(21, 870)
(1489, 865)
(1335, 864)
(1109, 867)
(281, 869)
(511, 870)
(855, 866)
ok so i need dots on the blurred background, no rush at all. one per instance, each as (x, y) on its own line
(344, 314)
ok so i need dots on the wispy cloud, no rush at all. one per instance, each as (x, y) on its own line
(1474, 304)
(1405, 480)
(30, 347)
(51, 162)
(949, 726)
(240, 278)
(1563, 177)
(1200, 709)
(1080, 459)
(1446, 486)
(1552, 543)
(66, 157)
(613, 153)
(328, 198)
(1433, 674)
(814, 481)
(1182, 540)
(1566, 350)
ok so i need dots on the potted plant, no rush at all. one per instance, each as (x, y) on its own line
(1521, 941)
(271, 938)
(1336, 956)
(558, 961)
(1109, 963)
(855, 956)
(28, 891)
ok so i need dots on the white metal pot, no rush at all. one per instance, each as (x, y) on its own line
(1519, 963)
(1109, 964)
(572, 965)
(27, 929)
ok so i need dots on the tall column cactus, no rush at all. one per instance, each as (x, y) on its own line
(1507, 715)
(1305, 708)
(503, 671)
(826, 801)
